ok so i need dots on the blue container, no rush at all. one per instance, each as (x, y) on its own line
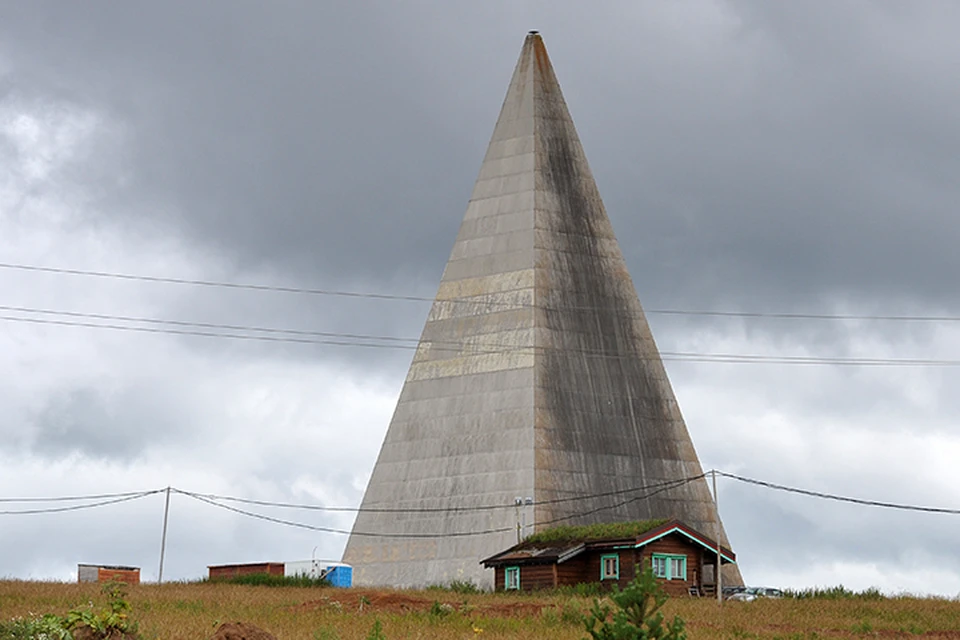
(340, 575)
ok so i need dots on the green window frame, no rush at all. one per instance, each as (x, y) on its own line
(669, 566)
(511, 578)
(607, 562)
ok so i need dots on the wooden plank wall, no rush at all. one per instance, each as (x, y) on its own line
(232, 571)
(675, 545)
(130, 576)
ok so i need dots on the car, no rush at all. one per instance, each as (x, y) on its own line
(729, 591)
(750, 594)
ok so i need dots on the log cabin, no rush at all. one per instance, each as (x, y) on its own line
(683, 559)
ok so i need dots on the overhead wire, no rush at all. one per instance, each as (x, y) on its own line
(838, 498)
(78, 507)
(488, 507)
(203, 325)
(465, 300)
(455, 534)
(74, 498)
(650, 490)
(370, 534)
(371, 342)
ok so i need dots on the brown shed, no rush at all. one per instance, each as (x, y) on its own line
(107, 573)
(683, 559)
(224, 571)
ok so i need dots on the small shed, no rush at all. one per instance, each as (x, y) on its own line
(226, 571)
(107, 573)
(611, 554)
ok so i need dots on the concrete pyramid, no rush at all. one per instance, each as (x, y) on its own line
(536, 375)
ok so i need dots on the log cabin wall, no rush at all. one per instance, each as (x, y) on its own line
(677, 546)
(628, 566)
(535, 577)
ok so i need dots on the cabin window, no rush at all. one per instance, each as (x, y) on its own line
(610, 567)
(669, 567)
(511, 578)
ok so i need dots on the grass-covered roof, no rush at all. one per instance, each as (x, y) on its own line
(565, 534)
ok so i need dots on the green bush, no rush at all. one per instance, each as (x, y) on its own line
(48, 627)
(114, 620)
(637, 615)
(111, 621)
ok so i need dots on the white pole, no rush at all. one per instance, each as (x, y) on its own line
(163, 538)
(518, 504)
(716, 505)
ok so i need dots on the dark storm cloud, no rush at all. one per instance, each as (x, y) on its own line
(291, 135)
(772, 153)
(798, 157)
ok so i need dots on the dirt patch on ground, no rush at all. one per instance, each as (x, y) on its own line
(361, 600)
(241, 631)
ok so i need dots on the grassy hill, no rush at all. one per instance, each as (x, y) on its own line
(192, 611)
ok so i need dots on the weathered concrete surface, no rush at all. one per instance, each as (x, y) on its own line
(536, 374)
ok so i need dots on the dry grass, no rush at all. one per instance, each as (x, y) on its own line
(192, 612)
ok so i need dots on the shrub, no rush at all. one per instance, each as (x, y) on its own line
(637, 616)
(110, 622)
(47, 627)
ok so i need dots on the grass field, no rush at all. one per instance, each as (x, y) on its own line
(193, 611)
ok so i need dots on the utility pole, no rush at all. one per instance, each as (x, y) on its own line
(518, 505)
(527, 502)
(716, 506)
(163, 537)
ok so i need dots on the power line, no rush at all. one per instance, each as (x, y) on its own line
(488, 507)
(720, 358)
(78, 507)
(202, 325)
(97, 496)
(104, 499)
(830, 496)
(204, 334)
(457, 534)
(212, 283)
(466, 300)
(672, 485)
(368, 534)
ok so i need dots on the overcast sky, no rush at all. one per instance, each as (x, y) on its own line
(753, 156)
